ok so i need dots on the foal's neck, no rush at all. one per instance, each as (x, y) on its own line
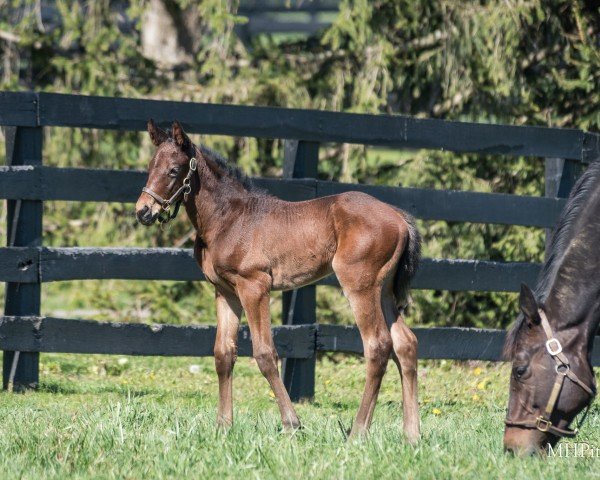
(215, 199)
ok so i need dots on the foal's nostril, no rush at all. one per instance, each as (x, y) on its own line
(143, 212)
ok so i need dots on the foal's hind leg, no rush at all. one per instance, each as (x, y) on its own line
(377, 342)
(405, 357)
(229, 310)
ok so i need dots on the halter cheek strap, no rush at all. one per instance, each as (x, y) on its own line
(563, 370)
(175, 199)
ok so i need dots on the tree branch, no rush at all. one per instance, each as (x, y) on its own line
(9, 37)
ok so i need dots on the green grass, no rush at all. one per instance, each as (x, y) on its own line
(128, 417)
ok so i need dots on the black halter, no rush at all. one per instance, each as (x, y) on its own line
(166, 215)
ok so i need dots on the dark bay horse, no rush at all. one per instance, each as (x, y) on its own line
(249, 243)
(551, 343)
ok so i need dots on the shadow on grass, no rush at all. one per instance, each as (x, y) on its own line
(73, 389)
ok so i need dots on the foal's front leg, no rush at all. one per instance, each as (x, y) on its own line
(229, 310)
(255, 300)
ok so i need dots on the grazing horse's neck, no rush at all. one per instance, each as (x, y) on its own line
(577, 317)
(214, 198)
(574, 298)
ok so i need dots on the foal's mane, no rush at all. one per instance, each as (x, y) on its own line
(231, 171)
(563, 233)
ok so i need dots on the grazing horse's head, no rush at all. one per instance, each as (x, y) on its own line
(166, 172)
(551, 381)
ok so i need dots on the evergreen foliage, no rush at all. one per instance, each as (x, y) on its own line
(518, 61)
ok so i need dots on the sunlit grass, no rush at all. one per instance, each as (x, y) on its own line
(131, 417)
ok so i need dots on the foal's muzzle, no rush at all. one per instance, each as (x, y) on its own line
(145, 215)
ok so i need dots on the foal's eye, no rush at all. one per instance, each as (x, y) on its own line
(520, 371)
(173, 172)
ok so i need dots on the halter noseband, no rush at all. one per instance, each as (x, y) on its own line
(166, 215)
(563, 370)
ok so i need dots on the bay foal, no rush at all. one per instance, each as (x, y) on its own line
(249, 243)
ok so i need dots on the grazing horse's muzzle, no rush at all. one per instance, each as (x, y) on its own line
(522, 441)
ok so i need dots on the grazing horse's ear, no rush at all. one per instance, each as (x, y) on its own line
(181, 138)
(529, 305)
(157, 134)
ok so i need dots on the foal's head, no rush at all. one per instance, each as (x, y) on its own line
(166, 171)
(536, 416)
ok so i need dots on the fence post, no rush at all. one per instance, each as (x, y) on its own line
(24, 228)
(561, 176)
(300, 306)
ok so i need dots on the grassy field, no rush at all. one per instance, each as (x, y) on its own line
(128, 417)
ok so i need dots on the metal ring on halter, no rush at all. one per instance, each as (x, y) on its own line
(558, 366)
(187, 187)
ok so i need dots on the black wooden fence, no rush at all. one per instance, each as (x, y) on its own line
(25, 263)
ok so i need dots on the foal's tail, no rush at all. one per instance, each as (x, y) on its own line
(408, 264)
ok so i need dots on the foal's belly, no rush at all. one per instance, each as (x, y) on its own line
(284, 279)
(301, 256)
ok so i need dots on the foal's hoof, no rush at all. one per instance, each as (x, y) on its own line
(357, 434)
(412, 438)
(292, 428)
(223, 427)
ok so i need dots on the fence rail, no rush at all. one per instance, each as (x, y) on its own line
(25, 263)
(106, 113)
(93, 185)
(47, 264)
(47, 334)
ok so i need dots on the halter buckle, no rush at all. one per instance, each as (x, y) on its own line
(543, 424)
(557, 349)
(193, 164)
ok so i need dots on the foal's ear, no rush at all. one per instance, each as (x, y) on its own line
(181, 138)
(157, 134)
(529, 305)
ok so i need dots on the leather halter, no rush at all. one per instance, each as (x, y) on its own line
(563, 370)
(175, 199)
